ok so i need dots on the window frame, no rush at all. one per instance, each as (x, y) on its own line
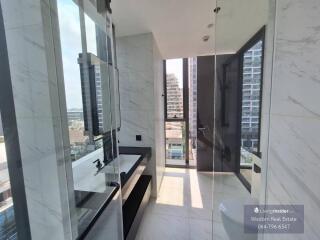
(185, 119)
(259, 36)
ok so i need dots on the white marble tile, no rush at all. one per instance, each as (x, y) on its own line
(293, 154)
(155, 207)
(225, 186)
(42, 151)
(174, 205)
(296, 69)
(159, 227)
(26, 12)
(141, 74)
(200, 229)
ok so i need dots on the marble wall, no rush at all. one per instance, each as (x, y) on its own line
(293, 157)
(141, 88)
(31, 32)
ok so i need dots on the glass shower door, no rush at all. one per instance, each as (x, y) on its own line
(237, 103)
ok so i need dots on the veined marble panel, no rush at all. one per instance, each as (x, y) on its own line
(293, 154)
(38, 121)
(141, 88)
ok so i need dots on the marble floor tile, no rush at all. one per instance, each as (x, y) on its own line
(200, 229)
(160, 226)
(187, 206)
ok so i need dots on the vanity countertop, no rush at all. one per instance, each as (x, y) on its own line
(145, 151)
(93, 194)
(86, 177)
(131, 164)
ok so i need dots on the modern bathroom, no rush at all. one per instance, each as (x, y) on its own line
(125, 120)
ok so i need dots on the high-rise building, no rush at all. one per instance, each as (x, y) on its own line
(193, 100)
(251, 97)
(174, 97)
(99, 99)
(92, 93)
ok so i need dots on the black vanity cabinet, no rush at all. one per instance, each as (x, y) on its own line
(136, 190)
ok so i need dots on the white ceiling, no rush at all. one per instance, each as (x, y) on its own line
(237, 22)
(179, 25)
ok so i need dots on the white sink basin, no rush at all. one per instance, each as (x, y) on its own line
(86, 177)
(127, 161)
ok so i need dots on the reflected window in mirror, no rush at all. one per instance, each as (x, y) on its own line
(86, 78)
(71, 47)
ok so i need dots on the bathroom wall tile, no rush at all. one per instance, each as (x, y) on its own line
(26, 12)
(293, 167)
(293, 154)
(34, 88)
(136, 122)
(141, 85)
(296, 53)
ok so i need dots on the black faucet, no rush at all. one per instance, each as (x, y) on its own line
(98, 164)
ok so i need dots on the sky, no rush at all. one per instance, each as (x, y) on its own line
(70, 36)
(174, 66)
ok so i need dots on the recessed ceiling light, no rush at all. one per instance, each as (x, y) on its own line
(205, 38)
(210, 25)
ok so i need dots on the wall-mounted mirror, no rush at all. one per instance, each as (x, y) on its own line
(89, 86)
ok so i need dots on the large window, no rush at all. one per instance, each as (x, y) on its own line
(176, 142)
(174, 89)
(176, 112)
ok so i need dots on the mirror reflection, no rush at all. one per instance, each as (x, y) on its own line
(89, 88)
